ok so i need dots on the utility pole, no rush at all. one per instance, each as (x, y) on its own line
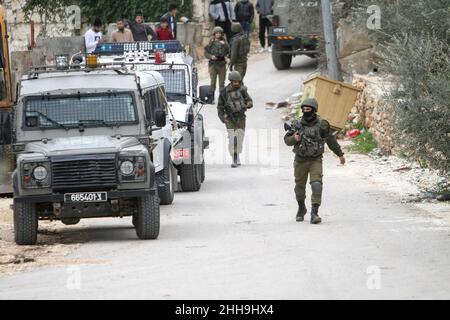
(330, 42)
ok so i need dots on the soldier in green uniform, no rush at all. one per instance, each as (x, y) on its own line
(234, 101)
(308, 136)
(217, 51)
(239, 50)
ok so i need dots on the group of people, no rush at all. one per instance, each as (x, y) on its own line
(224, 14)
(137, 30)
(229, 47)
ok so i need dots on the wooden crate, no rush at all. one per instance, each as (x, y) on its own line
(336, 99)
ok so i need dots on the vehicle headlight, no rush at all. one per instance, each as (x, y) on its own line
(36, 174)
(40, 173)
(132, 169)
(127, 168)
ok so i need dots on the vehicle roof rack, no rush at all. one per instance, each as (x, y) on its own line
(37, 70)
(120, 48)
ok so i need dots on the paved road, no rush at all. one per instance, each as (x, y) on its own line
(238, 238)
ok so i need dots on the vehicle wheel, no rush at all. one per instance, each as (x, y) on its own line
(25, 223)
(147, 220)
(190, 177)
(281, 61)
(167, 192)
(70, 221)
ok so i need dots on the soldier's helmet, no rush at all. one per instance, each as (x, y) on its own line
(311, 102)
(217, 29)
(234, 76)
(236, 27)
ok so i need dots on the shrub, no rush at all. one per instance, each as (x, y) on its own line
(364, 143)
(421, 97)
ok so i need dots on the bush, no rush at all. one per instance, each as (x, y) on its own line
(421, 97)
(364, 143)
(413, 44)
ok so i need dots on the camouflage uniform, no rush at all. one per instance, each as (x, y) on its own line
(232, 105)
(309, 158)
(239, 49)
(217, 68)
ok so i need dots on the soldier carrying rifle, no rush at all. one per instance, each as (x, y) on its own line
(234, 101)
(308, 136)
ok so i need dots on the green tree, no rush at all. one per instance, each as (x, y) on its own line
(414, 49)
(110, 10)
(48, 10)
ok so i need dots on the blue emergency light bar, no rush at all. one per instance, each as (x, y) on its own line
(120, 48)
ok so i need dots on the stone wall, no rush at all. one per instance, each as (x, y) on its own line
(372, 111)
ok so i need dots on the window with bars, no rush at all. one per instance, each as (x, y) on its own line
(71, 110)
(175, 77)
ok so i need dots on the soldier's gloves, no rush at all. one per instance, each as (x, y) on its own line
(249, 105)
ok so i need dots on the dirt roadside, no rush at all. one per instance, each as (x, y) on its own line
(51, 249)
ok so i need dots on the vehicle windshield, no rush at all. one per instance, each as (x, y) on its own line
(72, 110)
(175, 83)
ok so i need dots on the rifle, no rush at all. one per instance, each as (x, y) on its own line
(297, 127)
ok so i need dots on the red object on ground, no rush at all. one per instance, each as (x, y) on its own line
(164, 34)
(353, 133)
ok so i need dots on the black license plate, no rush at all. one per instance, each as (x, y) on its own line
(86, 197)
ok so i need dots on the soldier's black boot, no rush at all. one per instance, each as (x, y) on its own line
(234, 164)
(315, 219)
(238, 160)
(301, 211)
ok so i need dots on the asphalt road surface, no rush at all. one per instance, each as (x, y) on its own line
(237, 238)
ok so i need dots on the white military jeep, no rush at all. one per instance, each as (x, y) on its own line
(84, 139)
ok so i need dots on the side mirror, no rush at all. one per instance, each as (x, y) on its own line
(206, 94)
(160, 118)
(5, 128)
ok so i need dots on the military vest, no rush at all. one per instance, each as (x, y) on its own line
(235, 101)
(218, 50)
(312, 145)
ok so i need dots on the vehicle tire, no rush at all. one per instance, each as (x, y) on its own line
(190, 177)
(147, 221)
(70, 221)
(167, 192)
(25, 223)
(281, 61)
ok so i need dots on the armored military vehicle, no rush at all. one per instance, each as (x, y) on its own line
(83, 139)
(181, 84)
(297, 29)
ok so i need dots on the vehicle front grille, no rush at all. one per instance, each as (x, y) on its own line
(86, 172)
